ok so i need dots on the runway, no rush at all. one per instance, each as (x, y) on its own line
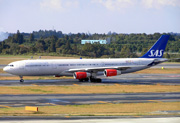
(80, 99)
(127, 79)
(92, 119)
(2, 66)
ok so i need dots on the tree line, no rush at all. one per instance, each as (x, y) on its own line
(56, 43)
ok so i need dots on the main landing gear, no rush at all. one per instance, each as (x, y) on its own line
(84, 80)
(21, 79)
(91, 79)
(95, 80)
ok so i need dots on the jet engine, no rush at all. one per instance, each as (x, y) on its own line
(111, 72)
(81, 75)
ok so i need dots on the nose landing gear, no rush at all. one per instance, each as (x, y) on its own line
(21, 79)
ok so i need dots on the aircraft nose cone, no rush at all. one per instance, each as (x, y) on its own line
(6, 69)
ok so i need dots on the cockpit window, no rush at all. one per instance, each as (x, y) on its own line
(11, 65)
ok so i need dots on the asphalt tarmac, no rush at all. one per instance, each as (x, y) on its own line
(80, 99)
(127, 79)
(91, 119)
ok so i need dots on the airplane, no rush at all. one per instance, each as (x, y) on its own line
(89, 69)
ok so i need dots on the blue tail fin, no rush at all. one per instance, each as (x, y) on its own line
(158, 48)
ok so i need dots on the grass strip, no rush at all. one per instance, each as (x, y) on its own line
(131, 109)
(1, 71)
(33, 77)
(84, 89)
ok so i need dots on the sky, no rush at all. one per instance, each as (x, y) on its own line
(93, 16)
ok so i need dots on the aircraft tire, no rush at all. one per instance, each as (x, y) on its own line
(21, 80)
(86, 79)
(96, 80)
(81, 80)
(92, 79)
(99, 80)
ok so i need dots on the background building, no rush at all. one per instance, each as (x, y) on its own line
(107, 41)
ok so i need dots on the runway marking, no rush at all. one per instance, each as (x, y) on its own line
(155, 101)
(158, 84)
(34, 84)
(57, 100)
(5, 106)
(102, 102)
(137, 116)
(50, 103)
(75, 84)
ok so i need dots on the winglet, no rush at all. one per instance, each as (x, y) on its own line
(158, 48)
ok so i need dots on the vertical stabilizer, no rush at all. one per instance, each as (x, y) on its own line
(158, 48)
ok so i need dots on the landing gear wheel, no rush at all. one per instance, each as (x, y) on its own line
(80, 80)
(21, 80)
(92, 79)
(95, 80)
(98, 80)
(85, 80)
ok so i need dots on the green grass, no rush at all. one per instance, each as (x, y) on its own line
(84, 89)
(121, 109)
(39, 90)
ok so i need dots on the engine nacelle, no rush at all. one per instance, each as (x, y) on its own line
(81, 75)
(111, 72)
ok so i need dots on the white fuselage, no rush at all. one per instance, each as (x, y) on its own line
(42, 67)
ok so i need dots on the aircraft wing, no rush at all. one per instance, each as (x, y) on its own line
(96, 69)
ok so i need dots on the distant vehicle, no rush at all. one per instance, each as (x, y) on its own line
(89, 69)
